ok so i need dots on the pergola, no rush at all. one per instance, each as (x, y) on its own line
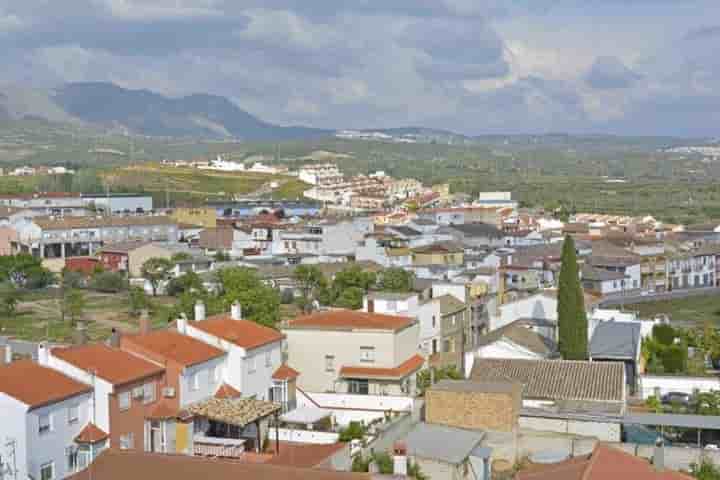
(699, 422)
(239, 412)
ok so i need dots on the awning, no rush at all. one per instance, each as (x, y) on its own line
(240, 412)
(305, 415)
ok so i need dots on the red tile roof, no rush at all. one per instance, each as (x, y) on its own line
(350, 320)
(171, 345)
(226, 391)
(604, 463)
(409, 366)
(115, 464)
(243, 333)
(285, 373)
(303, 454)
(110, 364)
(36, 386)
(163, 410)
(91, 434)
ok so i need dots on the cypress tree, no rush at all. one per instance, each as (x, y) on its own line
(572, 321)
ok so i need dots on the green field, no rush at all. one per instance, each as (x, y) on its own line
(694, 310)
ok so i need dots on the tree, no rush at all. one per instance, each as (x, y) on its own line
(221, 256)
(260, 302)
(73, 304)
(396, 279)
(138, 301)
(572, 321)
(24, 271)
(350, 298)
(155, 270)
(180, 256)
(9, 298)
(310, 282)
(184, 283)
(349, 287)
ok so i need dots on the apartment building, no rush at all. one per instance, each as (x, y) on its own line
(46, 203)
(52, 237)
(694, 269)
(44, 413)
(348, 351)
(321, 174)
(203, 216)
(254, 352)
(126, 387)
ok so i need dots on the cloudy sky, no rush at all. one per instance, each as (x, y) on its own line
(475, 66)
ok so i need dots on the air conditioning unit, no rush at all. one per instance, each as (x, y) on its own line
(168, 392)
(138, 393)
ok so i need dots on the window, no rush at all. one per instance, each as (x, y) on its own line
(195, 381)
(149, 392)
(251, 364)
(433, 321)
(71, 454)
(329, 363)
(367, 354)
(47, 471)
(45, 424)
(73, 414)
(359, 387)
(126, 441)
(124, 400)
(268, 359)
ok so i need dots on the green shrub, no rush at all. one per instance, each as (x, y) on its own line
(664, 333)
(354, 431)
(674, 359)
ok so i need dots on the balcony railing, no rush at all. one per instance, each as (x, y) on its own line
(218, 447)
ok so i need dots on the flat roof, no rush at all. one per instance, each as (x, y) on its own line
(704, 422)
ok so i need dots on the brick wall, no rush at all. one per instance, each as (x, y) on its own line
(475, 410)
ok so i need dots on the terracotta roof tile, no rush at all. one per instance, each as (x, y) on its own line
(47, 223)
(350, 320)
(91, 434)
(409, 366)
(226, 391)
(115, 464)
(163, 410)
(285, 373)
(604, 463)
(110, 364)
(36, 385)
(174, 346)
(243, 333)
(303, 454)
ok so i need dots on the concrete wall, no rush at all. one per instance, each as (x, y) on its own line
(265, 360)
(605, 431)
(304, 436)
(536, 306)
(348, 408)
(505, 349)
(208, 384)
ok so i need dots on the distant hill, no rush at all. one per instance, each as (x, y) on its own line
(143, 112)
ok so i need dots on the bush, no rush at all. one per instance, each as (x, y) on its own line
(138, 301)
(664, 334)
(354, 431)
(674, 359)
(287, 297)
(186, 282)
(108, 282)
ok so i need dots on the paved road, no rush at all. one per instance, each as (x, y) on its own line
(655, 297)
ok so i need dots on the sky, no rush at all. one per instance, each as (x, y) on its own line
(628, 67)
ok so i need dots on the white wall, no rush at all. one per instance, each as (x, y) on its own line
(259, 381)
(406, 343)
(536, 306)
(506, 349)
(208, 385)
(604, 431)
(457, 290)
(668, 383)
(50, 446)
(14, 425)
(101, 388)
(304, 436)
(348, 408)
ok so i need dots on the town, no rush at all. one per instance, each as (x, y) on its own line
(374, 325)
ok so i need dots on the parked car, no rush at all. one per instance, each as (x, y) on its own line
(680, 398)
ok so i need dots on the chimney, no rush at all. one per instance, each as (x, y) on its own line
(144, 322)
(658, 459)
(115, 338)
(199, 311)
(236, 310)
(5, 354)
(181, 323)
(80, 336)
(42, 354)
(400, 459)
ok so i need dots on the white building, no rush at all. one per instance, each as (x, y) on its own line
(254, 351)
(42, 414)
(322, 174)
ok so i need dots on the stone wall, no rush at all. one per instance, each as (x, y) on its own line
(496, 411)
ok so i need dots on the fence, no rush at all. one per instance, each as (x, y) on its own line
(348, 408)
